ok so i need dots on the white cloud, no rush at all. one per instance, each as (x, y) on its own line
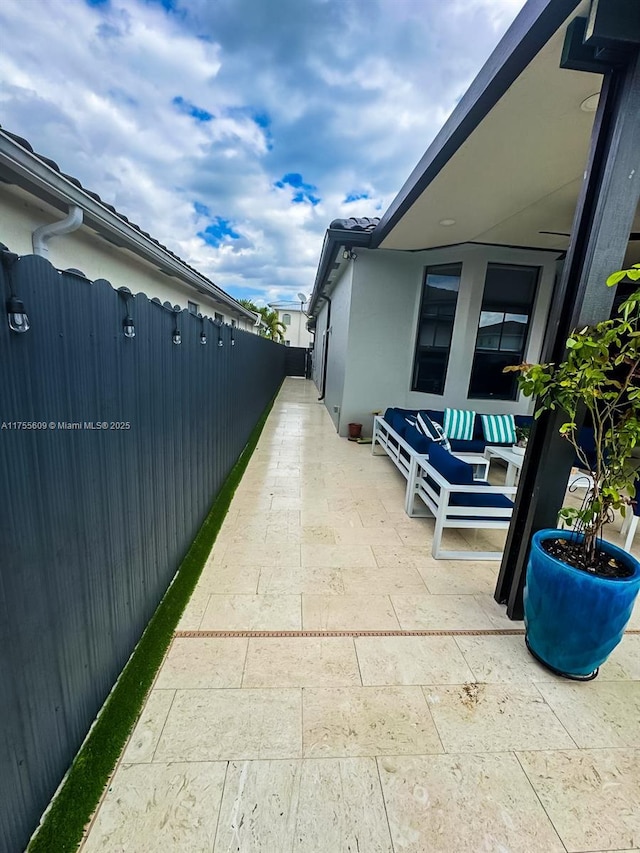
(166, 113)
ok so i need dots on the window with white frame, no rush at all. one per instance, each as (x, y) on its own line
(193, 308)
(286, 319)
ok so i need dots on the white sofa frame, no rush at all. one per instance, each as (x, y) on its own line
(437, 505)
(405, 458)
(401, 453)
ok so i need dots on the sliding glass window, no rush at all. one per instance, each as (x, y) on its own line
(435, 327)
(507, 306)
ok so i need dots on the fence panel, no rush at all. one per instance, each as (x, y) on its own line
(94, 521)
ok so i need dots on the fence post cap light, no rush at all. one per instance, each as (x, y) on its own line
(17, 316)
(203, 338)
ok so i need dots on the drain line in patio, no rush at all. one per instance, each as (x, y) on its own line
(500, 632)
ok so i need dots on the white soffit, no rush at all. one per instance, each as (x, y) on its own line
(520, 170)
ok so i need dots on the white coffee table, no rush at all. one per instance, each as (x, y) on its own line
(507, 454)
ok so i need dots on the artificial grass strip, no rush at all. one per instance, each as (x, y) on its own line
(63, 824)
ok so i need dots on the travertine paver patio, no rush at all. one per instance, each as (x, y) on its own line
(327, 744)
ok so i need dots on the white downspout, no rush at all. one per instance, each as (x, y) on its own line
(43, 234)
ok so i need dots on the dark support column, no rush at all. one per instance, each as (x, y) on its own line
(599, 239)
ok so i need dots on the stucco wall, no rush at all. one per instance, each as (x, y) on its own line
(339, 344)
(95, 257)
(296, 333)
(385, 305)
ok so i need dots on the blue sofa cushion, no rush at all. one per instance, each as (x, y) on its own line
(523, 420)
(470, 499)
(477, 445)
(396, 420)
(420, 443)
(454, 470)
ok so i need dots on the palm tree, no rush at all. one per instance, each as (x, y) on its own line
(271, 326)
(275, 329)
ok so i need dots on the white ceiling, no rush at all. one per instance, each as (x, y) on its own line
(520, 170)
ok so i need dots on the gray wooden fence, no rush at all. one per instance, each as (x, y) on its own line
(112, 450)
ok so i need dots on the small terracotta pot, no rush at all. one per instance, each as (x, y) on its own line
(355, 430)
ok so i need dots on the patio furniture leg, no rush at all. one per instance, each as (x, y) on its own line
(632, 530)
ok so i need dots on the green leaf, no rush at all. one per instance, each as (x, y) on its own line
(615, 277)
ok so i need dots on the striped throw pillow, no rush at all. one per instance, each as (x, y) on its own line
(432, 430)
(459, 423)
(499, 429)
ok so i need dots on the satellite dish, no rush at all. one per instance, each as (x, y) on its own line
(302, 297)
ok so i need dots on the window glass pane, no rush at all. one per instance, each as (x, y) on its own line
(435, 327)
(507, 305)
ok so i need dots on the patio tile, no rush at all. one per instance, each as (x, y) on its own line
(624, 661)
(463, 803)
(590, 795)
(439, 612)
(597, 714)
(367, 721)
(361, 581)
(395, 556)
(311, 516)
(348, 613)
(252, 613)
(338, 556)
(314, 580)
(214, 725)
(193, 612)
(301, 662)
(465, 578)
(250, 554)
(168, 807)
(496, 613)
(198, 662)
(502, 660)
(146, 734)
(367, 536)
(225, 580)
(307, 806)
(411, 660)
(288, 518)
(494, 718)
(381, 518)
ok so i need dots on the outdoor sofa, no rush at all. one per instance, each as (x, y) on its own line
(450, 486)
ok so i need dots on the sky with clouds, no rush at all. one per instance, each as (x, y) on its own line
(235, 131)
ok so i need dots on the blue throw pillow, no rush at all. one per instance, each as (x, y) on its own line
(452, 469)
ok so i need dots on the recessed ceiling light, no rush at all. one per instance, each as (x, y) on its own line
(447, 222)
(590, 104)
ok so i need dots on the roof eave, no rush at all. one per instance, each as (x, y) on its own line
(334, 238)
(530, 31)
(37, 176)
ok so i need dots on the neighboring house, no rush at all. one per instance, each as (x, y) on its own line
(424, 307)
(294, 320)
(96, 239)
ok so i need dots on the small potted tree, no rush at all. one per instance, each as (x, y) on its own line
(522, 437)
(580, 590)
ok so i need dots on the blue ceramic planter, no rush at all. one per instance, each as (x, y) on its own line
(574, 620)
